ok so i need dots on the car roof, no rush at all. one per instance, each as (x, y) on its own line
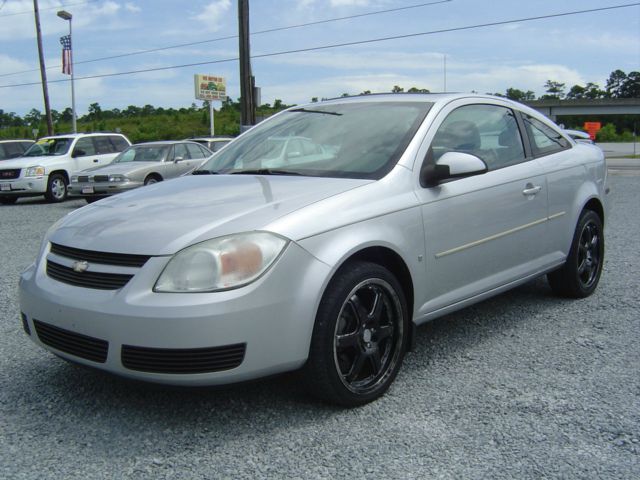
(17, 140)
(210, 139)
(160, 142)
(77, 135)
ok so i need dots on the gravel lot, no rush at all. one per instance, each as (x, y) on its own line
(524, 385)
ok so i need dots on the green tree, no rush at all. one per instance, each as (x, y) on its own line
(615, 83)
(555, 90)
(397, 89)
(519, 95)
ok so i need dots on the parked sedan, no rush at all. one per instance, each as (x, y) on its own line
(141, 164)
(212, 143)
(418, 206)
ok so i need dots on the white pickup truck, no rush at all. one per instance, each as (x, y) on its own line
(46, 167)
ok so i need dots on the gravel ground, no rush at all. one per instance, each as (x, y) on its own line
(524, 385)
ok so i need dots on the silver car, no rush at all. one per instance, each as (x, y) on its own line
(418, 206)
(140, 164)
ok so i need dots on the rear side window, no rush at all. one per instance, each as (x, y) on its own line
(119, 143)
(180, 151)
(103, 145)
(544, 139)
(195, 151)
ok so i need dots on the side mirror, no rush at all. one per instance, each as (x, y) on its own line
(177, 159)
(452, 165)
(78, 153)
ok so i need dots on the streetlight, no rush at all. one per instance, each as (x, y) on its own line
(63, 14)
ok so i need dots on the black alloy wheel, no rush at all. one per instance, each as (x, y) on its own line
(360, 336)
(579, 276)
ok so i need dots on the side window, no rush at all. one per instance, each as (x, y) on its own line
(13, 150)
(489, 132)
(294, 148)
(103, 145)
(180, 150)
(544, 139)
(84, 145)
(194, 151)
(205, 151)
(119, 143)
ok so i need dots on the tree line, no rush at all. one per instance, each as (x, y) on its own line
(149, 123)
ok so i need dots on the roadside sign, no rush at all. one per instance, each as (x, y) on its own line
(210, 87)
(592, 128)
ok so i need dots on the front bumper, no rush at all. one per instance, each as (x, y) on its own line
(24, 186)
(272, 317)
(88, 189)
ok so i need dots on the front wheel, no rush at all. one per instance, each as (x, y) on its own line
(360, 336)
(579, 276)
(56, 188)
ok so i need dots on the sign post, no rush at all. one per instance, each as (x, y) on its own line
(210, 88)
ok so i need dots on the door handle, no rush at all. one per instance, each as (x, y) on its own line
(95, 160)
(529, 189)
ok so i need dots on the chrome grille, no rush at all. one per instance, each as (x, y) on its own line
(101, 178)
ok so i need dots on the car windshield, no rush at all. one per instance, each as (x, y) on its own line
(49, 147)
(353, 140)
(143, 153)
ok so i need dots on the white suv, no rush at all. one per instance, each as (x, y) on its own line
(46, 167)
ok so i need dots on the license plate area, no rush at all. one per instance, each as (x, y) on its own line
(87, 190)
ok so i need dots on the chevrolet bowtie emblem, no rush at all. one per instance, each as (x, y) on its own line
(80, 266)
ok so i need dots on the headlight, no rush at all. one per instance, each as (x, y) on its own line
(221, 264)
(117, 178)
(35, 171)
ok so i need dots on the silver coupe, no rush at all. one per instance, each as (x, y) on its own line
(397, 209)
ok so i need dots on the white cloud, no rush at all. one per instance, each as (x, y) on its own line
(215, 14)
(130, 7)
(349, 3)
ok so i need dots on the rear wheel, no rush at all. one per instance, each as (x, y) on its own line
(8, 200)
(360, 336)
(579, 276)
(56, 188)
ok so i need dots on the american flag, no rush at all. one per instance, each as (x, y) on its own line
(66, 54)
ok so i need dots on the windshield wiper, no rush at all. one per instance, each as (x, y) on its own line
(264, 171)
(204, 172)
(305, 110)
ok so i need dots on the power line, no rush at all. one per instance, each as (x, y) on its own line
(230, 37)
(58, 7)
(345, 44)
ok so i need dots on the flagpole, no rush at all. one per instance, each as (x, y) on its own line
(67, 16)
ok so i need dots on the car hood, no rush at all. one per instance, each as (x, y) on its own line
(123, 168)
(166, 217)
(23, 162)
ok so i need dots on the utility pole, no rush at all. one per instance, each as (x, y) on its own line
(43, 72)
(247, 81)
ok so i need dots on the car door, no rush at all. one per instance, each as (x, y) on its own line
(181, 160)
(106, 151)
(84, 154)
(485, 231)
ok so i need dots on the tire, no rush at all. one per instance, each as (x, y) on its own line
(579, 276)
(151, 179)
(56, 188)
(8, 200)
(359, 337)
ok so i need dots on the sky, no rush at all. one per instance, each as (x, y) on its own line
(573, 49)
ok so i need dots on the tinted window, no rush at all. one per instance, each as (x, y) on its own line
(215, 146)
(103, 145)
(10, 150)
(143, 153)
(119, 143)
(487, 131)
(84, 146)
(544, 139)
